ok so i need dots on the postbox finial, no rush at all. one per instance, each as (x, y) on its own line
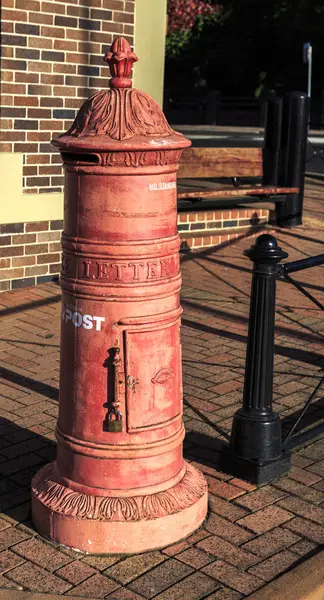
(120, 59)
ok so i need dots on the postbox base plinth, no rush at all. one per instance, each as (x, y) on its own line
(110, 525)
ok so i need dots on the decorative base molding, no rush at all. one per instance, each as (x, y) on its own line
(97, 524)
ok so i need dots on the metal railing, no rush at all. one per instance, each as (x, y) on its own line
(256, 451)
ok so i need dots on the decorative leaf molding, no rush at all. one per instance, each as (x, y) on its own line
(120, 114)
(153, 506)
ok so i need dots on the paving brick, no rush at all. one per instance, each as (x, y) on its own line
(196, 537)
(303, 509)
(227, 530)
(4, 524)
(225, 594)
(227, 386)
(266, 519)
(11, 536)
(314, 451)
(9, 560)
(6, 584)
(194, 587)
(223, 489)
(240, 581)
(23, 478)
(101, 562)
(33, 578)
(311, 531)
(273, 566)
(317, 468)
(160, 578)
(24, 447)
(20, 513)
(176, 548)
(226, 551)
(124, 594)
(304, 547)
(271, 542)
(260, 498)
(304, 476)
(248, 487)
(18, 464)
(226, 509)
(199, 404)
(303, 491)
(134, 566)
(42, 553)
(97, 586)
(196, 558)
(16, 497)
(75, 572)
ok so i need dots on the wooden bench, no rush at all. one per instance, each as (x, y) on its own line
(202, 172)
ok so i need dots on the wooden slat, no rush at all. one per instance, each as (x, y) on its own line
(232, 192)
(221, 162)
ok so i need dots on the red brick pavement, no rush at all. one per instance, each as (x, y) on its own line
(251, 534)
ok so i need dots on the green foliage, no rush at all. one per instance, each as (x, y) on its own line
(247, 47)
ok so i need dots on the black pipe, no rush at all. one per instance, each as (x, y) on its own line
(293, 155)
(255, 451)
(272, 141)
(299, 265)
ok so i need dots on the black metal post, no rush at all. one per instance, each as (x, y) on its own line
(293, 153)
(255, 450)
(272, 139)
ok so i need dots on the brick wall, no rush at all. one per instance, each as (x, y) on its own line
(52, 61)
(30, 253)
(203, 229)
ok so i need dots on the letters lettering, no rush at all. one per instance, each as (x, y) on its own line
(119, 270)
(165, 265)
(136, 267)
(128, 272)
(151, 270)
(102, 271)
(86, 272)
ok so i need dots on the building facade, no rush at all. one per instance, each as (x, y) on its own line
(52, 61)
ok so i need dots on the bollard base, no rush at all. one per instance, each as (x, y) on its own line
(110, 525)
(252, 470)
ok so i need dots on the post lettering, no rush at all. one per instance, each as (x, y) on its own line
(98, 321)
(87, 322)
(77, 319)
(68, 315)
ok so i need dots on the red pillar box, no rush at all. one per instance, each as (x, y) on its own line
(119, 483)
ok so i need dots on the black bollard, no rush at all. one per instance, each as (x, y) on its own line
(255, 450)
(272, 140)
(293, 155)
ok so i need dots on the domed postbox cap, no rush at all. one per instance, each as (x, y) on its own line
(120, 118)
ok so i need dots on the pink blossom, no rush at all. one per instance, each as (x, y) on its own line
(182, 14)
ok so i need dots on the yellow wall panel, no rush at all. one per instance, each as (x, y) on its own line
(16, 207)
(150, 31)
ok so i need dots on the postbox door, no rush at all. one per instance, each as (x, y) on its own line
(153, 376)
